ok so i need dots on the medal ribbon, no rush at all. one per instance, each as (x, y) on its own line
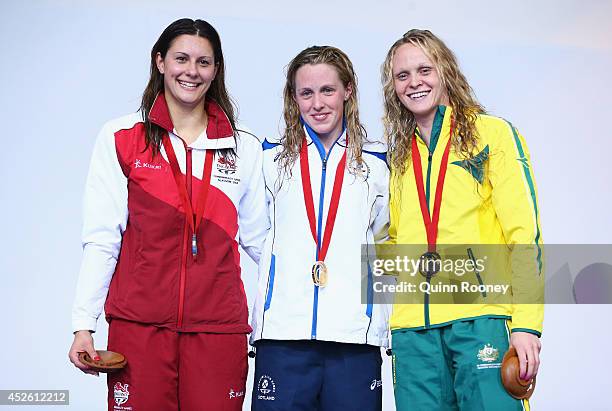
(308, 201)
(194, 219)
(431, 223)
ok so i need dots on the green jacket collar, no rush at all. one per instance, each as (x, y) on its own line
(435, 129)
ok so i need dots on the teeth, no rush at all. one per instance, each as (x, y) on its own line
(319, 116)
(187, 84)
(418, 95)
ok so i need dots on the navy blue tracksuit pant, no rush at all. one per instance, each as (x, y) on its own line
(316, 376)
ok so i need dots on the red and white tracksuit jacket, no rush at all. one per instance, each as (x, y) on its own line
(136, 239)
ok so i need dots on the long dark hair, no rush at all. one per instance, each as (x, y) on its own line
(216, 92)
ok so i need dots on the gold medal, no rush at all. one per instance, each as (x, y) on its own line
(319, 274)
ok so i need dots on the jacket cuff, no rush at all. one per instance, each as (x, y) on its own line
(79, 324)
(527, 330)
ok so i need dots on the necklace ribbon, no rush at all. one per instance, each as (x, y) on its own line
(430, 221)
(319, 270)
(194, 219)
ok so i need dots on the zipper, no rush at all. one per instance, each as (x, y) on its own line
(426, 304)
(183, 273)
(315, 305)
(427, 193)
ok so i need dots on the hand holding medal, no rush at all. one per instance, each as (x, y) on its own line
(511, 380)
(107, 361)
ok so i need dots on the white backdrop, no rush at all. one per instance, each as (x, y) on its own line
(69, 66)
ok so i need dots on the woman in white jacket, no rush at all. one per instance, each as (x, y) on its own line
(316, 328)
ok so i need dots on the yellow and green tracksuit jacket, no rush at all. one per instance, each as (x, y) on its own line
(488, 199)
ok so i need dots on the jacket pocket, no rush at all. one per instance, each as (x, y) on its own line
(270, 283)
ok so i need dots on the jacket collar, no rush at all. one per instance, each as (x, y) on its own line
(218, 135)
(440, 127)
(312, 136)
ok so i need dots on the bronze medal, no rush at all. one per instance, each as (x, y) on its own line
(430, 264)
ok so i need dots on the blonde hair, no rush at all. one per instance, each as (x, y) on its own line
(294, 131)
(399, 123)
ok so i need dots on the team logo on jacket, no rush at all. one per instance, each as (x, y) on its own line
(143, 164)
(121, 393)
(488, 355)
(226, 169)
(235, 394)
(266, 388)
(226, 165)
(523, 160)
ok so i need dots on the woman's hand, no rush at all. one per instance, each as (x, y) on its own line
(527, 348)
(83, 342)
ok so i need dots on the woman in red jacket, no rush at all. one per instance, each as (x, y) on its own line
(166, 191)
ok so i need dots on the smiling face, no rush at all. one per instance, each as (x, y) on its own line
(320, 96)
(188, 69)
(417, 83)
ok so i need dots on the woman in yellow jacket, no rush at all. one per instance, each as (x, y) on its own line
(461, 181)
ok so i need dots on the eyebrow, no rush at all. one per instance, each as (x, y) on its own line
(187, 54)
(419, 67)
(320, 87)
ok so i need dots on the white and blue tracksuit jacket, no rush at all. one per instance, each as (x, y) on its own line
(288, 306)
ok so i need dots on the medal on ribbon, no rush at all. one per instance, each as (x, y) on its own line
(430, 262)
(319, 270)
(194, 219)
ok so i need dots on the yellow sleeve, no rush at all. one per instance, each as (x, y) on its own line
(514, 199)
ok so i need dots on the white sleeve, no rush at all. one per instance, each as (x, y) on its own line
(253, 218)
(380, 226)
(105, 213)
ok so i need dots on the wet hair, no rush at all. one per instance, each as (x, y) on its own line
(399, 123)
(294, 131)
(217, 91)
